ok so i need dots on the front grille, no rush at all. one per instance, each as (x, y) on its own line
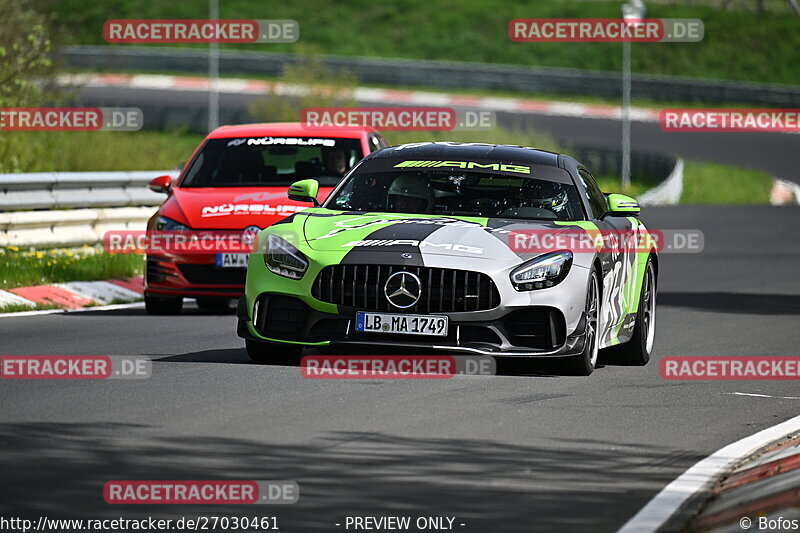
(443, 290)
(281, 317)
(211, 275)
(541, 328)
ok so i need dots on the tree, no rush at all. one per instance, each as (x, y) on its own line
(26, 68)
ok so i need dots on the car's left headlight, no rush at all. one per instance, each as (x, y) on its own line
(283, 259)
(542, 272)
(167, 224)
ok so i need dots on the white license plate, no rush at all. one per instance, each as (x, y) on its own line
(232, 260)
(402, 324)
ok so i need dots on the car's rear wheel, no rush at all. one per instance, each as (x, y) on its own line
(273, 352)
(214, 304)
(163, 305)
(583, 364)
(637, 350)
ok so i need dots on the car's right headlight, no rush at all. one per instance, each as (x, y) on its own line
(283, 259)
(542, 272)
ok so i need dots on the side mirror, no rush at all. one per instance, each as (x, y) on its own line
(620, 205)
(160, 184)
(304, 191)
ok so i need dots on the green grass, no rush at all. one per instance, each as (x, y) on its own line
(612, 184)
(17, 308)
(96, 150)
(712, 183)
(23, 268)
(738, 44)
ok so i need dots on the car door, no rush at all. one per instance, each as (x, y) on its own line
(618, 260)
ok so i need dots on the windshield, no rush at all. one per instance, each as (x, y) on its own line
(271, 161)
(454, 193)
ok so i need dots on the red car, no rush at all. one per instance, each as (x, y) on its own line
(236, 180)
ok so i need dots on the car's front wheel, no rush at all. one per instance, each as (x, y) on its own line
(273, 352)
(637, 350)
(163, 305)
(583, 364)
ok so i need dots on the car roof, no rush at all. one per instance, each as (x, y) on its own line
(461, 151)
(288, 129)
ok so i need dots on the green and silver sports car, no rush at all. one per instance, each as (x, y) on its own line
(465, 248)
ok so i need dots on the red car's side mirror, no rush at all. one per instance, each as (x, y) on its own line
(160, 184)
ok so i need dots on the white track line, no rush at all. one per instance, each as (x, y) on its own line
(750, 394)
(670, 500)
(82, 310)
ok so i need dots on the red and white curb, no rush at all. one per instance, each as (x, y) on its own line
(362, 94)
(701, 477)
(75, 294)
(763, 489)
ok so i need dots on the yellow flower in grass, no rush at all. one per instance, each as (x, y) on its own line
(39, 255)
(13, 248)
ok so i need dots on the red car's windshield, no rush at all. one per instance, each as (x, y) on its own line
(271, 161)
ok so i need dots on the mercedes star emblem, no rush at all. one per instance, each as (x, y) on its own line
(249, 235)
(403, 289)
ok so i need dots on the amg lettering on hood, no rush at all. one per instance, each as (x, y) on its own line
(420, 244)
(359, 223)
(222, 210)
(288, 141)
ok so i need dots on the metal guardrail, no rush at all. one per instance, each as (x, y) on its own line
(72, 227)
(440, 74)
(77, 207)
(648, 167)
(669, 191)
(69, 190)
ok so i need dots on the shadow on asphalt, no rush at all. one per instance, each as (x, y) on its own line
(733, 302)
(140, 311)
(504, 367)
(59, 469)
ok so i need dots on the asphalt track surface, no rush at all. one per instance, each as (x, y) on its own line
(502, 453)
(775, 153)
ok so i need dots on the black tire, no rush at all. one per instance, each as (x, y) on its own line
(273, 352)
(214, 304)
(637, 351)
(163, 305)
(584, 364)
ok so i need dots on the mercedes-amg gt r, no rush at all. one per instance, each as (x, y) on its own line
(419, 247)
